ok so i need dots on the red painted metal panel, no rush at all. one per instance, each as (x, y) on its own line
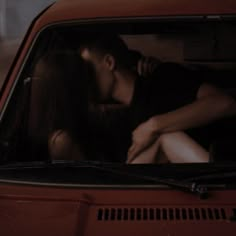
(85, 9)
(35, 210)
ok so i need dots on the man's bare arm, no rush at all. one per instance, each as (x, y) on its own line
(211, 104)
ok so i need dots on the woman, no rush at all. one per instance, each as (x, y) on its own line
(60, 82)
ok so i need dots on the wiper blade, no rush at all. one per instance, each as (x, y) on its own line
(214, 176)
(191, 187)
(21, 164)
(48, 163)
(186, 186)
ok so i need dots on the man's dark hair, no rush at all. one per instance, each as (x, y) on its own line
(110, 44)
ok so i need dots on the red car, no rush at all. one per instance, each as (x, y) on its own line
(104, 196)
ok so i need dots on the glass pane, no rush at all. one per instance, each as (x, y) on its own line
(148, 93)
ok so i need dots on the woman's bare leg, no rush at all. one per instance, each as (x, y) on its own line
(181, 148)
(149, 155)
(175, 147)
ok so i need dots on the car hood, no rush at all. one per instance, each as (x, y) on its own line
(40, 210)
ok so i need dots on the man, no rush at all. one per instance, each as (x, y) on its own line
(160, 108)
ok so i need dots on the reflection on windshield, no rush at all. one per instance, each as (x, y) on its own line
(107, 101)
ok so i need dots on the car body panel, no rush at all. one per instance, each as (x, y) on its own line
(87, 9)
(90, 211)
(51, 210)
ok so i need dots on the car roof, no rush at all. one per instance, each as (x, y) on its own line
(64, 10)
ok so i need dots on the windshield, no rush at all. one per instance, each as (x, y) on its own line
(137, 93)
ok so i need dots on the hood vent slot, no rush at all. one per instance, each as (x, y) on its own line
(156, 214)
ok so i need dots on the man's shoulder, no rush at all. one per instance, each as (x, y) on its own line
(162, 71)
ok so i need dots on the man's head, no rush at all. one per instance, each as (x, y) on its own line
(108, 54)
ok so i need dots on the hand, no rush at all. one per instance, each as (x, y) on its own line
(143, 137)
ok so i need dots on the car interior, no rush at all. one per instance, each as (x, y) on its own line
(207, 48)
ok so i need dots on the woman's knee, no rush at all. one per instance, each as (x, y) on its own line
(62, 147)
(179, 147)
(58, 144)
(169, 137)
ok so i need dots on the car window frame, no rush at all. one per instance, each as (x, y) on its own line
(92, 23)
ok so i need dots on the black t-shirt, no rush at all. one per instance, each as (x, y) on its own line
(109, 135)
(171, 86)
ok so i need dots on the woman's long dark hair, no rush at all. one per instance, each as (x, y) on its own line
(60, 96)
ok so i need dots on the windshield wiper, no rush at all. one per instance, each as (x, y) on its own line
(214, 176)
(186, 186)
(191, 187)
